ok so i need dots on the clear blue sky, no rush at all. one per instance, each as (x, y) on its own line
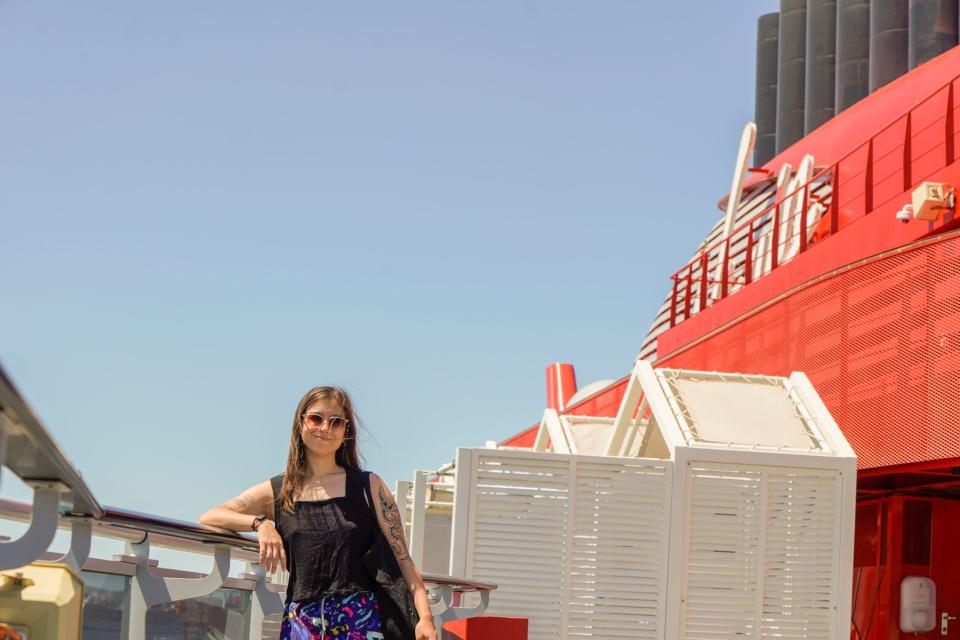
(207, 208)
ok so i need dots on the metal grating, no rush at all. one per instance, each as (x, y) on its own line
(880, 341)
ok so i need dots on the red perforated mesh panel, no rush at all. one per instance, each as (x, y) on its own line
(881, 343)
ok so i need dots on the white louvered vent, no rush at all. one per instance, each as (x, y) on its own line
(802, 553)
(762, 552)
(519, 510)
(723, 550)
(618, 554)
(577, 544)
(752, 538)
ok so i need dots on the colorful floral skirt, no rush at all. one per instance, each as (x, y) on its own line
(352, 616)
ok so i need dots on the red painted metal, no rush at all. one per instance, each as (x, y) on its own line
(834, 205)
(944, 465)
(486, 628)
(804, 213)
(704, 282)
(907, 147)
(888, 163)
(872, 173)
(869, 308)
(673, 307)
(561, 385)
(861, 336)
(949, 127)
(897, 537)
(725, 271)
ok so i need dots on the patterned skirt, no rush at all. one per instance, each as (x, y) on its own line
(352, 616)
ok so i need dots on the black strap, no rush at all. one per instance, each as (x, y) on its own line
(276, 483)
(368, 496)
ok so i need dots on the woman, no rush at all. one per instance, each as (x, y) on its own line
(316, 519)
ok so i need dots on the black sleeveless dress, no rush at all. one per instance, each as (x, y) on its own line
(325, 541)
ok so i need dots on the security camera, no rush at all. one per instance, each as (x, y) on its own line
(905, 215)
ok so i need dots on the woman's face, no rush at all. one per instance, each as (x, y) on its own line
(326, 437)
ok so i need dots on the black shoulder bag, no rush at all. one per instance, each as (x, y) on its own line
(398, 614)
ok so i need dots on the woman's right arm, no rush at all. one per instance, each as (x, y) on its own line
(238, 515)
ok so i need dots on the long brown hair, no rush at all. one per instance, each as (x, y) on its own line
(348, 455)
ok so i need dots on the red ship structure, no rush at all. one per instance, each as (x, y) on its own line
(839, 256)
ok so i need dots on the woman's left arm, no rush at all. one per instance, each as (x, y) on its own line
(391, 523)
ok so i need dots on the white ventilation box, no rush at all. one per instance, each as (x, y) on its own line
(733, 517)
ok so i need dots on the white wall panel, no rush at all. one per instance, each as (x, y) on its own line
(577, 544)
(761, 552)
(618, 552)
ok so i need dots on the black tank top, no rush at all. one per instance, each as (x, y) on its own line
(325, 540)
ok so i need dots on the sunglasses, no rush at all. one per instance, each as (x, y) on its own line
(336, 423)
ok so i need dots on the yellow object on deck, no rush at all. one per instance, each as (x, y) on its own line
(41, 601)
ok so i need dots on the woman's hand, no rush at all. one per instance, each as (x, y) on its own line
(272, 554)
(425, 630)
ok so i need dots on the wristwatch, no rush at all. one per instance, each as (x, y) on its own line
(257, 520)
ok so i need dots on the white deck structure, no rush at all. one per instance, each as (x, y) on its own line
(732, 517)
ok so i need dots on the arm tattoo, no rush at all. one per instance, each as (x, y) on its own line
(391, 515)
(238, 504)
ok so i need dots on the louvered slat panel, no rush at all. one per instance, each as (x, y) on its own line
(800, 555)
(616, 561)
(762, 552)
(518, 537)
(576, 544)
(723, 547)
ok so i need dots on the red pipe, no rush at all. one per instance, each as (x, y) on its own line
(561, 385)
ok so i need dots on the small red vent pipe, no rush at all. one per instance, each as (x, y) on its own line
(561, 385)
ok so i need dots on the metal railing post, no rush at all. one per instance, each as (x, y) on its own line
(949, 141)
(81, 535)
(704, 284)
(263, 601)
(835, 199)
(43, 527)
(725, 269)
(804, 210)
(673, 302)
(908, 153)
(448, 607)
(147, 589)
(775, 237)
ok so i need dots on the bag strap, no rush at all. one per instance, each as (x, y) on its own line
(368, 496)
(276, 483)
